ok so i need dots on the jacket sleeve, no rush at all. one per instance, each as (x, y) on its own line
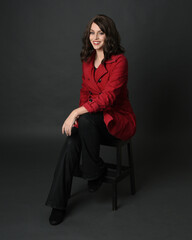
(117, 80)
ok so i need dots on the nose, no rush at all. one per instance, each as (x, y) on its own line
(96, 36)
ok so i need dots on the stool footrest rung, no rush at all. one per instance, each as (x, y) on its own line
(111, 174)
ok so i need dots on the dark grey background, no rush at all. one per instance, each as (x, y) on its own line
(40, 80)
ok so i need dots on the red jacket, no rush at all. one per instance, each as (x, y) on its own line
(106, 91)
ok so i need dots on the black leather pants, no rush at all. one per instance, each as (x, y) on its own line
(85, 139)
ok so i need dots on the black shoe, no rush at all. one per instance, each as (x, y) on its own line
(94, 185)
(56, 216)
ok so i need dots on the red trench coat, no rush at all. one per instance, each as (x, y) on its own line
(106, 90)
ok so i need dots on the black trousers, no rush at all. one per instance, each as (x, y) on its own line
(85, 139)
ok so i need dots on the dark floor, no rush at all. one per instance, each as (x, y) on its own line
(160, 210)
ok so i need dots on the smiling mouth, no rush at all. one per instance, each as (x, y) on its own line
(96, 42)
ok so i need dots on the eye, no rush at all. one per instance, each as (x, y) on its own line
(91, 32)
(102, 33)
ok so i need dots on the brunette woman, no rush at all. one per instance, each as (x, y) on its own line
(104, 113)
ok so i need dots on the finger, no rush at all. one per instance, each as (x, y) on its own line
(69, 131)
(63, 129)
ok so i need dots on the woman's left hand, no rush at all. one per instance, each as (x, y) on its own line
(69, 122)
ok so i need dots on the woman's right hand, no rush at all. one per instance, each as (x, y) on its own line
(72, 119)
(69, 122)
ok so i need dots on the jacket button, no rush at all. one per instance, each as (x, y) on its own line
(99, 80)
(90, 100)
(90, 92)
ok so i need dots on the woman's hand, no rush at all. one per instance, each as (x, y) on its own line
(72, 119)
(69, 122)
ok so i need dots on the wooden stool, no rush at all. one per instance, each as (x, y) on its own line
(116, 172)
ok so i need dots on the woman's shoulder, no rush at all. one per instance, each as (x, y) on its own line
(117, 58)
(117, 61)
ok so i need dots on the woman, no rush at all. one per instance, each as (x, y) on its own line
(104, 113)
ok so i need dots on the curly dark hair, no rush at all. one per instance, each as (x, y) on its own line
(112, 42)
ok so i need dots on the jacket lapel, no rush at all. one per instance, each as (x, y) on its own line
(100, 72)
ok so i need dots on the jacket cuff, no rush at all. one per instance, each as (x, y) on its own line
(91, 106)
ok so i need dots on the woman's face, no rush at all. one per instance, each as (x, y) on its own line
(96, 37)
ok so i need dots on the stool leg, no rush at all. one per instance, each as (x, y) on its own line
(118, 159)
(132, 176)
(118, 173)
(114, 199)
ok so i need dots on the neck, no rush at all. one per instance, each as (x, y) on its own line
(99, 55)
